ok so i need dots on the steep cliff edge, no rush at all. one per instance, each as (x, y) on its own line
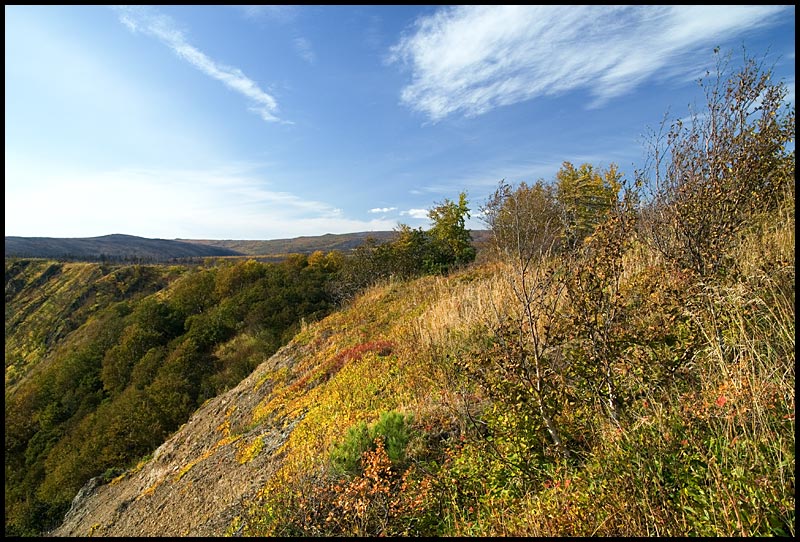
(195, 483)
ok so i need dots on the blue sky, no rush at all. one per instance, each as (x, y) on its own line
(269, 122)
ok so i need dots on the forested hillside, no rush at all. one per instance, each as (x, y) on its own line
(115, 247)
(620, 362)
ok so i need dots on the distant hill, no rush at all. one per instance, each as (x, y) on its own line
(111, 247)
(297, 245)
(343, 242)
(132, 248)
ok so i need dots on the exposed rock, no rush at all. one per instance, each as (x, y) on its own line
(194, 485)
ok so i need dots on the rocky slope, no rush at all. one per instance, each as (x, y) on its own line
(199, 479)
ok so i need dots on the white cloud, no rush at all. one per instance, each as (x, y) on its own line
(382, 210)
(415, 213)
(162, 27)
(471, 59)
(304, 49)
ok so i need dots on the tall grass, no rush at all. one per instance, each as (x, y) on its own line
(712, 452)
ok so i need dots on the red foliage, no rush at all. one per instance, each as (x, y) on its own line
(382, 348)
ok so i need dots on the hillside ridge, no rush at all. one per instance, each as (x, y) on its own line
(115, 246)
(119, 246)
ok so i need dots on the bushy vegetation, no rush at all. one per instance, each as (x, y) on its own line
(392, 429)
(446, 246)
(728, 166)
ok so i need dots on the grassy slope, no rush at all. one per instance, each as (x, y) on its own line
(351, 366)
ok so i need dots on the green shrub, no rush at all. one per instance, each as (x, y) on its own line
(395, 431)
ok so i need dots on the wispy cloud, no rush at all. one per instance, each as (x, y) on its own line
(152, 23)
(304, 49)
(382, 210)
(471, 59)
